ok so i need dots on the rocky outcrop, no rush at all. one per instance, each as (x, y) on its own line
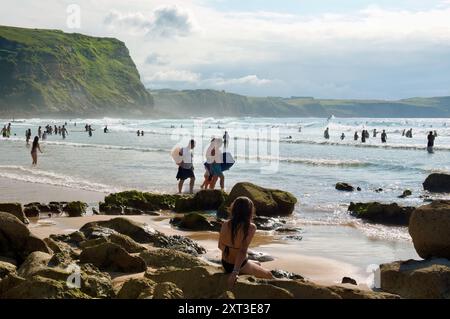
(196, 222)
(141, 233)
(167, 257)
(429, 228)
(202, 201)
(344, 187)
(167, 290)
(16, 241)
(39, 287)
(147, 202)
(136, 288)
(112, 257)
(437, 183)
(6, 268)
(211, 282)
(268, 202)
(14, 209)
(389, 214)
(76, 209)
(428, 279)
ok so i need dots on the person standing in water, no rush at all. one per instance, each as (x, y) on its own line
(90, 131)
(363, 136)
(430, 145)
(186, 167)
(326, 134)
(375, 133)
(138, 133)
(356, 136)
(34, 150)
(226, 140)
(383, 137)
(4, 131)
(40, 132)
(28, 136)
(342, 136)
(235, 237)
(142, 133)
(64, 132)
(105, 130)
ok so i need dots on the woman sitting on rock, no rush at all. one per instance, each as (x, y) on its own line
(235, 237)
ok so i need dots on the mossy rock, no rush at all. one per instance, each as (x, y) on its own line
(201, 201)
(196, 222)
(76, 209)
(389, 214)
(141, 201)
(268, 202)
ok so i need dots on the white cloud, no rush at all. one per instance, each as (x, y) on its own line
(245, 80)
(164, 21)
(174, 76)
(155, 59)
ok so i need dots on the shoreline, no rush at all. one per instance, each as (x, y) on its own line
(313, 257)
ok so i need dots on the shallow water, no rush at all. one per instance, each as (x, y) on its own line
(305, 164)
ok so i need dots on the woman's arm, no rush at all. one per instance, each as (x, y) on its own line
(39, 148)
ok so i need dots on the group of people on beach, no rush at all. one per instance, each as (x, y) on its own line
(6, 131)
(217, 161)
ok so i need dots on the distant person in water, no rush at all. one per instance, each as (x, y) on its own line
(430, 144)
(64, 132)
(235, 238)
(404, 132)
(90, 131)
(138, 133)
(356, 136)
(435, 134)
(105, 130)
(383, 137)
(28, 136)
(186, 167)
(326, 134)
(226, 139)
(40, 132)
(142, 133)
(342, 137)
(363, 136)
(44, 136)
(4, 131)
(86, 127)
(34, 150)
(375, 133)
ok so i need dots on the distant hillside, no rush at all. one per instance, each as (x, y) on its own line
(52, 73)
(219, 103)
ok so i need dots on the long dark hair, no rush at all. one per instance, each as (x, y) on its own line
(242, 211)
(35, 142)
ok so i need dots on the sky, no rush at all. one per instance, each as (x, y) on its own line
(363, 49)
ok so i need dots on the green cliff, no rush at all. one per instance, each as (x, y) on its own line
(52, 73)
(220, 103)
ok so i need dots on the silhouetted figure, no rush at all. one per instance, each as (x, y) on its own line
(356, 136)
(383, 137)
(326, 134)
(430, 145)
(342, 136)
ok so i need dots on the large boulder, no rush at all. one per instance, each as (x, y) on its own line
(437, 183)
(170, 258)
(389, 214)
(196, 222)
(147, 202)
(201, 201)
(344, 187)
(428, 279)
(133, 288)
(141, 233)
(112, 257)
(75, 209)
(6, 268)
(14, 209)
(429, 228)
(167, 290)
(268, 202)
(39, 287)
(35, 262)
(16, 241)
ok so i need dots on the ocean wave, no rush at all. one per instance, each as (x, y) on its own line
(102, 146)
(38, 176)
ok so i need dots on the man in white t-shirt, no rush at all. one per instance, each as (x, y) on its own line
(186, 167)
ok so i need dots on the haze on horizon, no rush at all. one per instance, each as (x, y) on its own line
(364, 49)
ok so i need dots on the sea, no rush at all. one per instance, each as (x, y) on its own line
(283, 153)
